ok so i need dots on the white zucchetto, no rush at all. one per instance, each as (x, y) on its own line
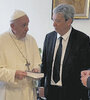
(17, 14)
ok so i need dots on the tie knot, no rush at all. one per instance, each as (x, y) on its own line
(61, 38)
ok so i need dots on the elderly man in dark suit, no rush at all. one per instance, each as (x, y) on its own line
(66, 52)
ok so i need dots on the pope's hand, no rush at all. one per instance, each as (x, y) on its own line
(36, 70)
(20, 74)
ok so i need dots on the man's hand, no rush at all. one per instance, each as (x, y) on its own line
(20, 74)
(85, 73)
(84, 76)
(84, 80)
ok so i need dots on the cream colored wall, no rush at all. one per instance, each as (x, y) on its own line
(39, 12)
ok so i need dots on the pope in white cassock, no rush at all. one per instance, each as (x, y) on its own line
(18, 54)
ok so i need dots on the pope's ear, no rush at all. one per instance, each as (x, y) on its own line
(12, 25)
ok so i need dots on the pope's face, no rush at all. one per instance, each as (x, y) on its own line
(20, 27)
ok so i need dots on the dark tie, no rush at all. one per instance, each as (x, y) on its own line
(56, 69)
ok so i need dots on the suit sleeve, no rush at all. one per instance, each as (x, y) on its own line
(88, 83)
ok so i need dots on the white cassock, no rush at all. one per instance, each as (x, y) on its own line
(11, 60)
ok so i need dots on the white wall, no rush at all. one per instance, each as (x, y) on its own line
(39, 12)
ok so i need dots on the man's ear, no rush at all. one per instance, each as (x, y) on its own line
(69, 22)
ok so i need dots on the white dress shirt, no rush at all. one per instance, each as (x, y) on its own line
(64, 45)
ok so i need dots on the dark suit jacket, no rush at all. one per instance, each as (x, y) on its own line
(76, 58)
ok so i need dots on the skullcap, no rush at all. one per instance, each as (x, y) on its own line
(17, 14)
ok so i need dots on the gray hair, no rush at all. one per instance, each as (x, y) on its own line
(67, 10)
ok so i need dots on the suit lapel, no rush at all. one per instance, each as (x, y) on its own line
(52, 47)
(53, 42)
(69, 47)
